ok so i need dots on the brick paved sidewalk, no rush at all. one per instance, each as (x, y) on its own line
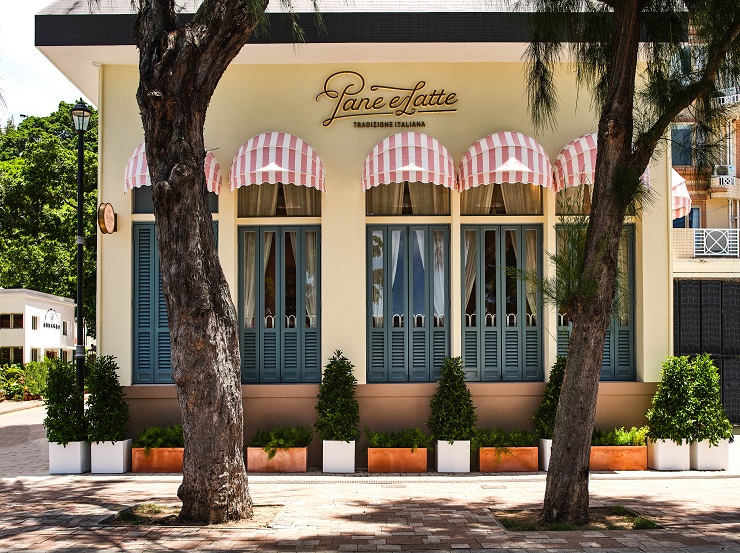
(700, 512)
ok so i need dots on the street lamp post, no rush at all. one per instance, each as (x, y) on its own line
(81, 118)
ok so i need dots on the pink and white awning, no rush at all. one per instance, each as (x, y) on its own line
(274, 157)
(408, 156)
(576, 164)
(136, 173)
(681, 196)
(505, 157)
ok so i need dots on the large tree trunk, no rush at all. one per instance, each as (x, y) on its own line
(179, 70)
(616, 185)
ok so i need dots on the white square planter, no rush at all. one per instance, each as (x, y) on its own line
(545, 452)
(453, 457)
(706, 457)
(74, 458)
(668, 455)
(339, 456)
(110, 457)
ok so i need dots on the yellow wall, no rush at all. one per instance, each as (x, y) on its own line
(259, 98)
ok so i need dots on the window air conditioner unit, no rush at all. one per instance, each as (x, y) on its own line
(724, 170)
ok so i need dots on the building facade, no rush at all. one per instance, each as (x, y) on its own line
(373, 191)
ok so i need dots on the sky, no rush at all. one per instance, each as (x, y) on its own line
(30, 84)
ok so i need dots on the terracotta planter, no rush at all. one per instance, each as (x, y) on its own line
(516, 459)
(293, 459)
(608, 457)
(396, 459)
(160, 459)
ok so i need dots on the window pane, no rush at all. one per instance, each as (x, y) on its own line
(378, 285)
(418, 268)
(530, 255)
(257, 200)
(250, 278)
(17, 356)
(512, 309)
(681, 145)
(270, 280)
(17, 320)
(301, 201)
(34, 323)
(489, 298)
(471, 266)
(440, 299)
(398, 245)
(522, 199)
(5, 320)
(311, 280)
(4, 356)
(385, 199)
(623, 271)
(574, 200)
(289, 294)
(429, 199)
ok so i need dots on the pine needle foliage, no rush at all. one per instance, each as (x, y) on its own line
(453, 413)
(337, 408)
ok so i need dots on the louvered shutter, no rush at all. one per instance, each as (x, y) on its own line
(144, 294)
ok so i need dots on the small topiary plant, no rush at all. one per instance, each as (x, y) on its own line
(282, 437)
(107, 412)
(337, 408)
(453, 413)
(709, 420)
(544, 416)
(65, 413)
(671, 414)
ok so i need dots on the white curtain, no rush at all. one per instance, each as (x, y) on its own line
(293, 237)
(439, 278)
(385, 199)
(258, 200)
(477, 201)
(574, 200)
(623, 281)
(250, 279)
(311, 279)
(301, 200)
(531, 254)
(395, 257)
(521, 199)
(429, 199)
(266, 257)
(470, 266)
(378, 278)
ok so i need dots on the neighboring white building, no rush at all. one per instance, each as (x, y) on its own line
(34, 325)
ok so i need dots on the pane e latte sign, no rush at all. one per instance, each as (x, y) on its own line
(351, 96)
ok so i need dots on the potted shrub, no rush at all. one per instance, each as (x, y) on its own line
(283, 449)
(711, 430)
(403, 451)
(619, 449)
(544, 416)
(453, 418)
(158, 449)
(338, 415)
(501, 451)
(107, 417)
(669, 418)
(66, 428)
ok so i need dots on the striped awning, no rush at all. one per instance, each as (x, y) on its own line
(576, 164)
(136, 173)
(408, 156)
(274, 157)
(681, 196)
(505, 157)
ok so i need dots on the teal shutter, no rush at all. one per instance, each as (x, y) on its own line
(607, 370)
(144, 293)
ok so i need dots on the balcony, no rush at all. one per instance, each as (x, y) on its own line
(725, 187)
(728, 97)
(704, 243)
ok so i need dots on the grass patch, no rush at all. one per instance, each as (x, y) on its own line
(600, 518)
(153, 514)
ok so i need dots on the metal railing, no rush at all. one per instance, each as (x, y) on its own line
(705, 242)
(728, 96)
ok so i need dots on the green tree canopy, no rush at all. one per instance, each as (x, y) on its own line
(38, 203)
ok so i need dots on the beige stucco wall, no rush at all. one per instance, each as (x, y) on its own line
(259, 98)
(718, 213)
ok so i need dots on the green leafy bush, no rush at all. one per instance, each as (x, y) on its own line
(282, 437)
(671, 414)
(65, 414)
(107, 412)
(709, 420)
(453, 413)
(13, 382)
(544, 416)
(337, 408)
(496, 437)
(160, 436)
(412, 438)
(37, 374)
(620, 436)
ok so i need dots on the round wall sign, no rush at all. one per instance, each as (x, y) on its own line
(106, 218)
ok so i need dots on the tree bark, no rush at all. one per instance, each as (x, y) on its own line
(180, 67)
(566, 493)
